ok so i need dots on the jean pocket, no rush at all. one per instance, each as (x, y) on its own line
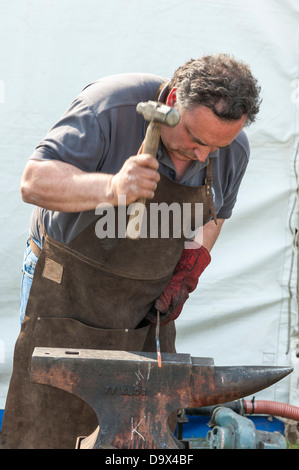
(28, 268)
(29, 263)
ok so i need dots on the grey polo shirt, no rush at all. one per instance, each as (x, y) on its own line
(101, 129)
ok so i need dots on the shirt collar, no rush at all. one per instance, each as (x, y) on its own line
(163, 93)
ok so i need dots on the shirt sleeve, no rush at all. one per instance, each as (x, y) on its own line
(76, 139)
(238, 156)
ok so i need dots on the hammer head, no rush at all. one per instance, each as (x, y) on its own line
(159, 112)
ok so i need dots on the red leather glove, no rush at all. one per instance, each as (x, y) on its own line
(184, 280)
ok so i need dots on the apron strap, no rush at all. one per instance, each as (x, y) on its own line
(208, 185)
(39, 222)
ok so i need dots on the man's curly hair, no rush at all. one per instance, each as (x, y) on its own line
(220, 83)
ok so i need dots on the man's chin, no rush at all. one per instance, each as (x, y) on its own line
(181, 156)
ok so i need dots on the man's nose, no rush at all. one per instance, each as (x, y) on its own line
(202, 153)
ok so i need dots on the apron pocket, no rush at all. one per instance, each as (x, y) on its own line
(70, 333)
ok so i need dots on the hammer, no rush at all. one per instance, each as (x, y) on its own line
(157, 113)
(133, 398)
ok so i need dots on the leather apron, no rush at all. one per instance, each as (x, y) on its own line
(91, 294)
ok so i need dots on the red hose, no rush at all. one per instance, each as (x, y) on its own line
(271, 408)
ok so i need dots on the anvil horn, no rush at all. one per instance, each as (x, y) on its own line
(231, 383)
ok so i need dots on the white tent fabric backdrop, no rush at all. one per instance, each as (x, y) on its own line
(244, 310)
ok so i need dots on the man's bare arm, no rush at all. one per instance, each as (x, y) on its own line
(207, 235)
(59, 186)
(211, 232)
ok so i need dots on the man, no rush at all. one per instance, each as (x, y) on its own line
(103, 293)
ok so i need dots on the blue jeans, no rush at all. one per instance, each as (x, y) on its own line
(29, 262)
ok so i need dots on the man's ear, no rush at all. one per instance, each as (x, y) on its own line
(171, 98)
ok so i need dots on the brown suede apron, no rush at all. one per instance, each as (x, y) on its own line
(92, 293)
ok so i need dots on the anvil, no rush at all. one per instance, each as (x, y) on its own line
(133, 397)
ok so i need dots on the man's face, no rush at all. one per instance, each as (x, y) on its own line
(198, 133)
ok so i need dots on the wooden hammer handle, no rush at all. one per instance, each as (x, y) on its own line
(150, 145)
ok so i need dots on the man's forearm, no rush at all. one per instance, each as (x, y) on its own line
(59, 186)
(207, 235)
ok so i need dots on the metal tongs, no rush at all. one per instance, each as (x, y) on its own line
(158, 340)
